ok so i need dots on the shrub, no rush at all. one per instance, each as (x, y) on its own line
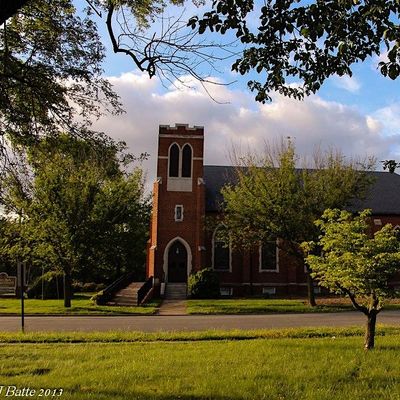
(77, 286)
(51, 283)
(89, 287)
(204, 284)
(100, 286)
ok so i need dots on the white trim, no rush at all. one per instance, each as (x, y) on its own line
(213, 253)
(200, 181)
(271, 290)
(228, 291)
(176, 212)
(189, 128)
(166, 251)
(276, 270)
(180, 160)
(163, 157)
(198, 158)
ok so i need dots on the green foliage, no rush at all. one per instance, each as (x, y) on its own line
(50, 72)
(47, 286)
(204, 284)
(354, 262)
(273, 199)
(390, 165)
(73, 209)
(306, 41)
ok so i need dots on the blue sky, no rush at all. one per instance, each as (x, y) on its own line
(359, 115)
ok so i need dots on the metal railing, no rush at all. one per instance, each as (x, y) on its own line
(109, 292)
(142, 292)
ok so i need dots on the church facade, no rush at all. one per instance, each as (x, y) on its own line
(186, 195)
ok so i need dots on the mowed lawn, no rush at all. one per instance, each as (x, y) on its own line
(266, 306)
(293, 369)
(81, 305)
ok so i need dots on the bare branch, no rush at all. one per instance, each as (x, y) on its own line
(171, 49)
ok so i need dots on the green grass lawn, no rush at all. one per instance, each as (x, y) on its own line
(266, 306)
(260, 306)
(81, 305)
(333, 367)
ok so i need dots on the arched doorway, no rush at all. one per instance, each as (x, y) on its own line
(177, 262)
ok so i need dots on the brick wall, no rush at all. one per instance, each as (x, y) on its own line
(164, 227)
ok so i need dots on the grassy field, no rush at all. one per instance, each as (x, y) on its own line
(260, 306)
(293, 369)
(81, 305)
(265, 306)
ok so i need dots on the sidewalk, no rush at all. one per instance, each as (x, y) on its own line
(172, 307)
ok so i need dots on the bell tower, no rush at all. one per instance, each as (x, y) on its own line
(176, 245)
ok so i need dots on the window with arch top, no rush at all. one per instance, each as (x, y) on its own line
(186, 161)
(174, 160)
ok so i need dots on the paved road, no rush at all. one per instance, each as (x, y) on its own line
(192, 322)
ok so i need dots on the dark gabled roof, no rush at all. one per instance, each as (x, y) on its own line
(383, 197)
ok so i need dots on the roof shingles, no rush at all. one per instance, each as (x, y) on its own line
(383, 197)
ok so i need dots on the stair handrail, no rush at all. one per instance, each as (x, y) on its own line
(108, 293)
(144, 290)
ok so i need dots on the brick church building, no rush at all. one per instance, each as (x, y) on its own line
(186, 194)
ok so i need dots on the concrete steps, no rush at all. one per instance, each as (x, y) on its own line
(175, 291)
(126, 297)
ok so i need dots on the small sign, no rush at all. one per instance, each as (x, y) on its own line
(8, 284)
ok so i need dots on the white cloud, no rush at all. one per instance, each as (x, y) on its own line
(389, 118)
(243, 122)
(349, 83)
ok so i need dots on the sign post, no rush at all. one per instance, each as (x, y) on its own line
(21, 278)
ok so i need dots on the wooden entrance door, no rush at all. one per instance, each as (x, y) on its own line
(177, 263)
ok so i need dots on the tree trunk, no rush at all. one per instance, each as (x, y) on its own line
(310, 288)
(67, 289)
(370, 331)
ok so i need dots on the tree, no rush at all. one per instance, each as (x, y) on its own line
(50, 74)
(274, 200)
(120, 227)
(390, 165)
(305, 41)
(51, 61)
(74, 201)
(356, 263)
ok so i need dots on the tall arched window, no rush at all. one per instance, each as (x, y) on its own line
(221, 253)
(187, 161)
(174, 160)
